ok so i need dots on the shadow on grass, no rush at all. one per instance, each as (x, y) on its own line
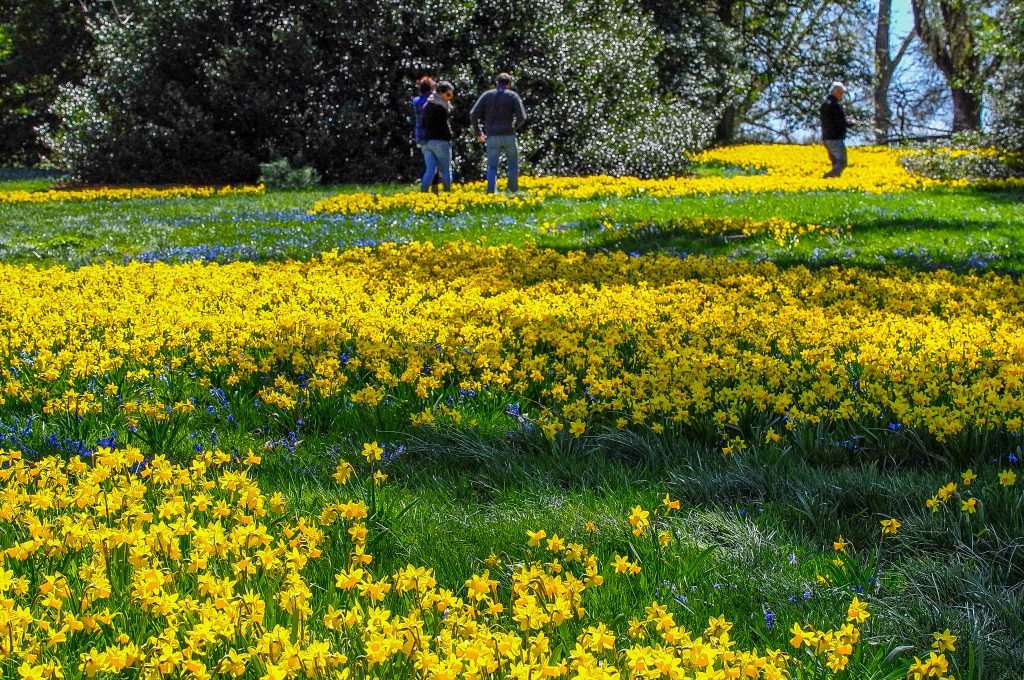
(938, 244)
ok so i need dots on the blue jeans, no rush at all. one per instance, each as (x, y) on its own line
(423, 150)
(438, 157)
(495, 145)
(836, 154)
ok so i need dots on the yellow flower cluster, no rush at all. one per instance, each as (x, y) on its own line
(833, 646)
(127, 194)
(936, 665)
(461, 197)
(783, 231)
(968, 504)
(121, 564)
(781, 168)
(594, 340)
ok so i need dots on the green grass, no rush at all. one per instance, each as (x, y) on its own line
(755, 531)
(753, 535)
(19, 179)
(958, 229)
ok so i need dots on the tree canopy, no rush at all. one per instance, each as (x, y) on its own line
(205, 90)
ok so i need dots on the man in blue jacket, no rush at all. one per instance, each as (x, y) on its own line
(833, 129)
(502, 113)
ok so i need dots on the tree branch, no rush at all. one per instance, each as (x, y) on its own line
(930, 36)
(895, 62)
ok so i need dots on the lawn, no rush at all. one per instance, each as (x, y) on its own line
(234, 433)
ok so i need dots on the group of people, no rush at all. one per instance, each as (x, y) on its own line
(499, 114)
(496, 117)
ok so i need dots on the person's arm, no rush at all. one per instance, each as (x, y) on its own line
(520, 112)
(475, 114)
(417, 120)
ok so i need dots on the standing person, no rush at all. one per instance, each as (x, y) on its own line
(437, 136)
(425, 87)
(833, 129)
(503, 115)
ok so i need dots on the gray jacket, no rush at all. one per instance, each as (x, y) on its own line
(502, 113)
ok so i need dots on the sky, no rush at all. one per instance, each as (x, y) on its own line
(902, 19)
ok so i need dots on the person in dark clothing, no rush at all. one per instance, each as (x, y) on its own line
(425, 87)
(437, 136)
(833, 129)
(503, 115)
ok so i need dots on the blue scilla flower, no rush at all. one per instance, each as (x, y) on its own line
(769, 619)
(109, 442)
(138, 468)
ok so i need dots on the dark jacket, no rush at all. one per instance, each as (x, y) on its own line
(502, 112)
(436, 123)
(833, 119)
(417, 116)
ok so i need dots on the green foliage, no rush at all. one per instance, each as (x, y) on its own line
(197, 91)
(759, 68)
(1007, 95)
(42, 45)
(945, 163)
(585, 71)
(280, 174)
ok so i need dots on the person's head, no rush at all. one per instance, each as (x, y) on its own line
(837, 89)
(503, 81)
(445, 89)
(425, 85)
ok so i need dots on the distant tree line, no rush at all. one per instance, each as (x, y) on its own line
(205, 90)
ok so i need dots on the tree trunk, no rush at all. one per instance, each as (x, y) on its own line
(725, 12)
(725, 131)
(966, 110)
(946, 30)
(883, 73)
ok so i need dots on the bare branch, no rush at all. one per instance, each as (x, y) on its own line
(895, 62)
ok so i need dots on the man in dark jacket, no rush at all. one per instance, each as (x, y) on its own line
(833, 129)
(503, 114)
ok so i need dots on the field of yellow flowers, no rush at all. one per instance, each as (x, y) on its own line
(747, 351)
(773, 169)
(458, 460)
